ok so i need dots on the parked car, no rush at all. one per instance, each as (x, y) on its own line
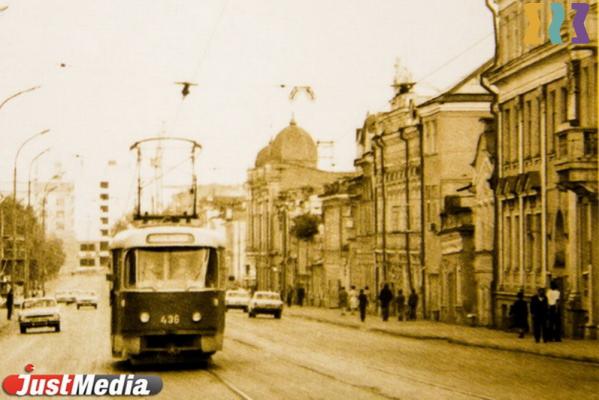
(87, 299)
(39, 311)
(65, 296)
(237, 299)
(17, 302)
(265, 303)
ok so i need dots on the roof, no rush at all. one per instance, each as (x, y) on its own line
(291, 145)
(467, 89)
(167, 236)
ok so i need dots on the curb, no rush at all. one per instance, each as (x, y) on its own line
(461, 342)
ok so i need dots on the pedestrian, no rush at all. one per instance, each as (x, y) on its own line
(289, 297)
(301, 293)
(538, 310)
(343, 300)
(367, 293)
(353, 300)
(385, 298)
(519, 314)
(10, 299)
(412, 304)
(363, 303)
(554, 321)
(400, 302)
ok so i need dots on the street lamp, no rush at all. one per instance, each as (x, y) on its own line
(9, 98)
(33, 160)
(44, 202)
(14, 198)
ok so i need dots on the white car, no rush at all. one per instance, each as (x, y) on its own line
(265, 303)
(87, 298)
(66, 296)
(39, 311)
(237, 299)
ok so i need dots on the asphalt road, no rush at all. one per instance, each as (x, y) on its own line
(293, 358)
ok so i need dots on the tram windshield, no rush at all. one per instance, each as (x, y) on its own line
(169, 268)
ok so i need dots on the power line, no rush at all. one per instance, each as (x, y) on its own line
(455, 57)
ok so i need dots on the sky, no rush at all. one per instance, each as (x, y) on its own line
(122, 57)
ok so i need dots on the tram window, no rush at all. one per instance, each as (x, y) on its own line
(169, 268)
(212, 273)
(130, 268)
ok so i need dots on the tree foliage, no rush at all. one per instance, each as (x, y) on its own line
(305, 226)
(46, 254)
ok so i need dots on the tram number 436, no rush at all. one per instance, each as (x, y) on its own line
(170, 319)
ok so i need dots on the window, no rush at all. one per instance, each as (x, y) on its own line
(166, 268)
(506, 135)
(104, 196)
(551, 120)
(103, 246)
(564, 105)
(104, 209)
(104, 221)
(527, 128)
(104, 232)
(536, 134)
(104, 185)
(395, 216)
(507, 254)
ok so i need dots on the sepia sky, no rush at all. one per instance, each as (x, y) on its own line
(122, 57)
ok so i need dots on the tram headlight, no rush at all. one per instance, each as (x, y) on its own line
(215, 301)
(196, 316)
(144, 316)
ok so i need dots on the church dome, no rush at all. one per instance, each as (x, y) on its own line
(294, 145)
(263, 156)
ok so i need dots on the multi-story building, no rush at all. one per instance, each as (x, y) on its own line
(339, 203)
(287, 164)
(451, 125)
(388, 225)
(547, 193)
(55, 201)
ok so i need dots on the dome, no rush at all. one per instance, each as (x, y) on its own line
(263, 156)
(292, 145)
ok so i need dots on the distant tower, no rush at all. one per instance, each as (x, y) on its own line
(402, 84)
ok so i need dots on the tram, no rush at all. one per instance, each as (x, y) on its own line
(167, 290)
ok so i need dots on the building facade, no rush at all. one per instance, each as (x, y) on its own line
(284, 171)
(546, 196)
(451, 125)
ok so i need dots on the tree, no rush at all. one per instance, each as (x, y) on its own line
(305, 226)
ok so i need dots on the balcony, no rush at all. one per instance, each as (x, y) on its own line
(576, 163)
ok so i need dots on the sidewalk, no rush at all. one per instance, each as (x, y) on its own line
(576, 350)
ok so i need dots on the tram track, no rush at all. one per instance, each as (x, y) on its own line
(370, 389)
(230, 386)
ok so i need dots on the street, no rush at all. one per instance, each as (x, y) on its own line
(293, 358)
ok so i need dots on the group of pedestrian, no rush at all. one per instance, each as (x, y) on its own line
(354, 300)
(545, 313)
(386, 299)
